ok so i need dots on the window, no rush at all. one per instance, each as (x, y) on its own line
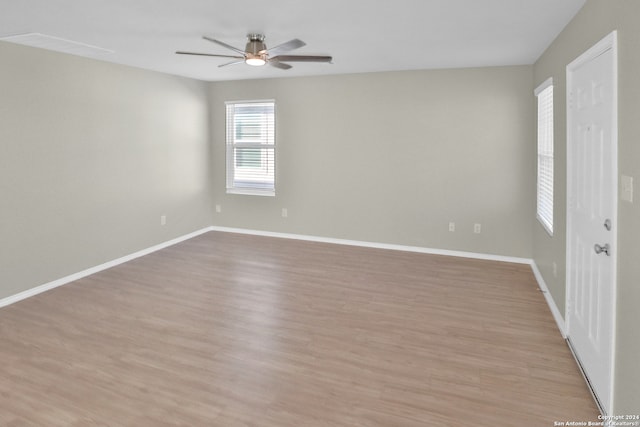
(251, 147)
(544, 93)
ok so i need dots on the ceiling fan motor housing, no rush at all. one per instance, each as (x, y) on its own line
(256, 45)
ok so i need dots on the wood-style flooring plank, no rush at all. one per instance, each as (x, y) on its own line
(235, 330)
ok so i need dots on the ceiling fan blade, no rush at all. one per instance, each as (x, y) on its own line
(302, 58)
(232, 63)
(208, 54)
(284, 47)
(235, 49)
(280, 65)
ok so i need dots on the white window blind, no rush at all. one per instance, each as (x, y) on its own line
(251, 147)
(544, 93)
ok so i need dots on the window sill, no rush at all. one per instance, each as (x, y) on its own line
(251, 192)
(545, 226)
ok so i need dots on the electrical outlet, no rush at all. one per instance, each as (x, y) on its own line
(477, 228)
(555, 269)
(285, 213)
(218, 208)
(163, 220)
(452, 226)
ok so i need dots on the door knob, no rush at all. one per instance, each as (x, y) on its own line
(604, 248)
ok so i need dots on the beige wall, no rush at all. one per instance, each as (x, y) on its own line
(597, 19)
(91, 154)
(393, 157)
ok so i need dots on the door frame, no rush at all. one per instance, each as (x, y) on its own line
(609, 42)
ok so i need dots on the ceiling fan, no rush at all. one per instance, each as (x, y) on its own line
(256, 53)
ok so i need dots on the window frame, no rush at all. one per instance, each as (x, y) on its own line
(545, 155)
(265, 142)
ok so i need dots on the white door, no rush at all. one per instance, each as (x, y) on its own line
(592, 213)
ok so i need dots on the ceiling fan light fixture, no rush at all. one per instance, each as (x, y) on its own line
(255, 60)
(256, 53)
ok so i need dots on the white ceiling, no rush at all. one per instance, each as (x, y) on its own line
(361, 35)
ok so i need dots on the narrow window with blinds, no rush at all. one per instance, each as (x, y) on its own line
(251, 147)
(544, 94)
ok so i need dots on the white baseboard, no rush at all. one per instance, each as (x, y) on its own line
(541, 283)
(76, 276)
(547, 296)
(73, 277)
(376, 245)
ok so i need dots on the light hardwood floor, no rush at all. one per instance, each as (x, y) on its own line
(234, 330)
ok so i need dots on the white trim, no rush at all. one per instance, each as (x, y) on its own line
(545, 84)
(251, 191)
(549, 298)
(375, 245)
(249, 101)
(613, 40)
(248, 187)
(586, 380)
(536, 272)
(76, 276)
(545, 155)
(73, 277)
(609, 42)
